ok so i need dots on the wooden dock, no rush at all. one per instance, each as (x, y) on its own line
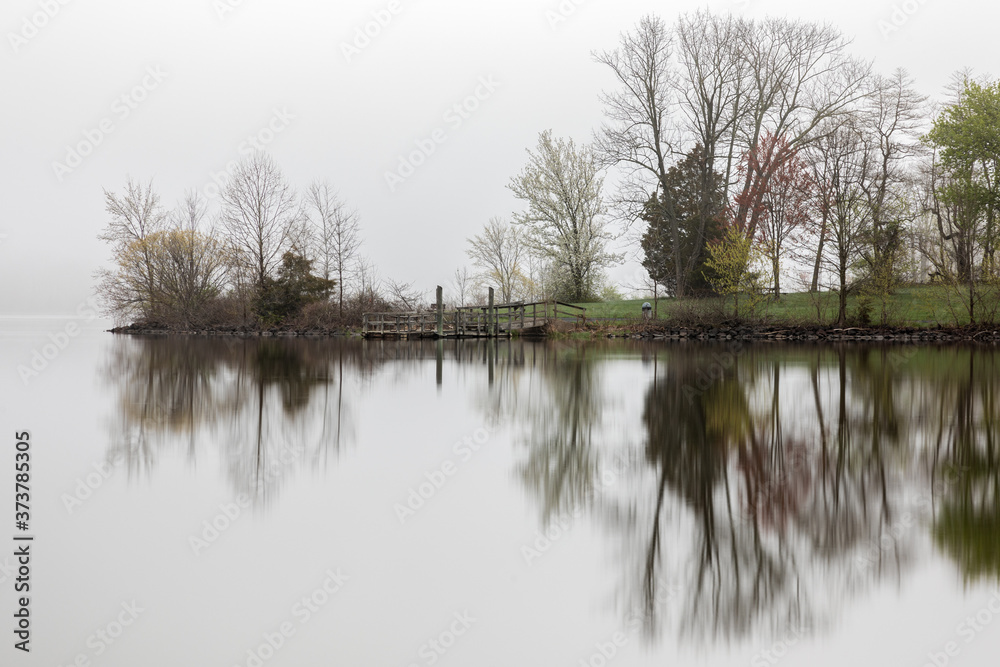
(535, 318)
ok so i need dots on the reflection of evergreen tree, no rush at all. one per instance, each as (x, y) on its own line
(699, 423)
(782, 488)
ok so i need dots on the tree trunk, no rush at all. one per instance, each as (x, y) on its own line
(340, 286)
(819, 253)
(842, 311)
(775, 266)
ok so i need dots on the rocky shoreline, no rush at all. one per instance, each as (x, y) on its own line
(779, 333)
(241, 332)
(722, 332)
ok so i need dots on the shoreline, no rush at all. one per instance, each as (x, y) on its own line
(818, 334)
(654, 332)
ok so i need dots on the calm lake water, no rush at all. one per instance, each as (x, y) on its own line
(339, 502)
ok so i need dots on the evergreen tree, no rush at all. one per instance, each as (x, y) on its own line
(294, 288)
(692, 205)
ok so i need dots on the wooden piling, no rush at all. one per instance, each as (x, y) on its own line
(440, 312)
(490, 317)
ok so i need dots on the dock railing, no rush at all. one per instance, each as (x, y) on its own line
(475, 321)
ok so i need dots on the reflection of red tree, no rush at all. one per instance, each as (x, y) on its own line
(776, 482)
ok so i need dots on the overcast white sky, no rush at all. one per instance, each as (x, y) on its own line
(211, 73)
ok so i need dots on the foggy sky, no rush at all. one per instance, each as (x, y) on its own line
(174, 91)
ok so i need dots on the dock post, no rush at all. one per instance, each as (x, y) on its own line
(439, 358)
(490, 351)
(440, 312)
(490, 315)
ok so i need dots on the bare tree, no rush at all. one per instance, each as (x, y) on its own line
(498, 252)
(258, 212)
(735, 81)
(167, 268)
(190, 215)
(403, 295)
(191, 271)
(369, 282)
(565, 212)
(135, 217)
(840, 165)
(637, 135)
(192, 264)
(894, 118)
(338, 234)
(713, 88)
(462, 284)
(538, 285)
(302, 239)
(800, 74)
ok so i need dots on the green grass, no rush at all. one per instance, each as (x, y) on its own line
(916, 306)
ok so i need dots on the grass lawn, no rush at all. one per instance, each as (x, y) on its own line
(916, 306)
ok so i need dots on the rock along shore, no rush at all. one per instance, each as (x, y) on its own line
(818, 334)
(242, 332)
(665, 332)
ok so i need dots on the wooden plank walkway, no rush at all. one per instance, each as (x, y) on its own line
(526, 319)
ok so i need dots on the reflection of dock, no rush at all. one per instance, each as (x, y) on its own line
(537, 318)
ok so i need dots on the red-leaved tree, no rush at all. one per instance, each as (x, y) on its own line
(778, 202)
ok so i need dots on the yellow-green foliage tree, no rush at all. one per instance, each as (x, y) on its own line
(164, 269)
(730, 268)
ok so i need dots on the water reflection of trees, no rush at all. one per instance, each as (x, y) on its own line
(965, 472)
(777, 483)
(263, 407)
(561, 460)
(762, 486)
(266, 407)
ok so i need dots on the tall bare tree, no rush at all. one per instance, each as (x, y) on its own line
(337, 235)
(735, 81)
(135, 216)
(258, 211)
(499, 252)
(840, 165)
(191, 213)
(713, 87)
(893, 119)
(637, 135)
(801, 74)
